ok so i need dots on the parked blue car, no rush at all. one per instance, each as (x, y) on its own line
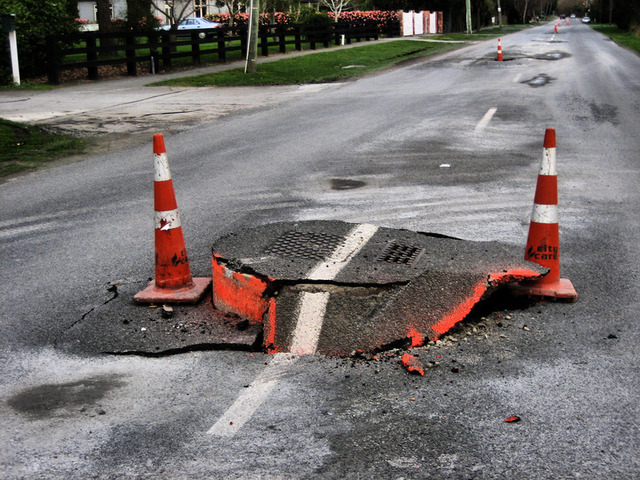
(188, 25)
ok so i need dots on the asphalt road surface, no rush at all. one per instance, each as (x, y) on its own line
(448, 145)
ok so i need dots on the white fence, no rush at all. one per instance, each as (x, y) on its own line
(419, 23)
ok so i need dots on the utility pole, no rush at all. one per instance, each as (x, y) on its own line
(252, 47)
(499, 15)
(468, 17)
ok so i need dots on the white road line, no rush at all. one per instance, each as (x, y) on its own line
(517, 78)
(305, 338)
(29, 229)
(482, 124)
(310, 318)
(355, 240)
(313, 306)
(250, 400)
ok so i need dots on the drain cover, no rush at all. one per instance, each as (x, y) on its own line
(400, 254)
(310, 245)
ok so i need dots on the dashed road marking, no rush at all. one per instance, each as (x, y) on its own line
(482, 124)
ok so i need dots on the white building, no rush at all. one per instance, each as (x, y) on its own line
(88, 10)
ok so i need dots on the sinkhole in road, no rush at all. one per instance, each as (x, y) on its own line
(538, 81)
(346, 184)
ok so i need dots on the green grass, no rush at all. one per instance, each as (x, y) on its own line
(25, 148)
(27, 86)
(621, 37)
(326, 66)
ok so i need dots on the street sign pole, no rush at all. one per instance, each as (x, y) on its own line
(9, 26)
(15, 66)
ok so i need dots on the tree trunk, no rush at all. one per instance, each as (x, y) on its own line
(104, 25)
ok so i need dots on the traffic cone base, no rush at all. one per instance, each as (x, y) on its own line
(186, 294)
(561, 289)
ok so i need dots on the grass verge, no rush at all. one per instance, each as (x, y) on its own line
(25, 148)
(326, 66)
(621, 37)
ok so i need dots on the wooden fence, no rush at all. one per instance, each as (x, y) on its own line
(158, 50)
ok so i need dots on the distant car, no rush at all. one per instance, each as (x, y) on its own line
(573, 15)
(563, 16)
(586, 19)
(188, 25)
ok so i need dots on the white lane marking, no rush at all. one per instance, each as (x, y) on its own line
(310, 319)
(313, 306)
(250, 400)
(482, 124)
(355, 240)
(28, 229)
(305, 338)
(517, 78)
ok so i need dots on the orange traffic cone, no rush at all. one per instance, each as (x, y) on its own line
(543, 244)
(173, 282)
(555, 28)
(499, 59)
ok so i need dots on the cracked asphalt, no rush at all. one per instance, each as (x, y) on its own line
(412, 148)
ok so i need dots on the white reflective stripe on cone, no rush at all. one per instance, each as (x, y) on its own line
(548, 164)
(544, 213)
(161, 166)
(167, 220)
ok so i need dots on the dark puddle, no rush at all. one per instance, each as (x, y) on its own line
(346, 184)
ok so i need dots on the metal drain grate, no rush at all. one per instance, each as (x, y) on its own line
(309, 245)
(400, 254)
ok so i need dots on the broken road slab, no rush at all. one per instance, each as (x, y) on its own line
(121, 326)
(326, 287)
(332, 288)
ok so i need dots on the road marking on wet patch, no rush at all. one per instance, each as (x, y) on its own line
(482, 124)
(253, 397)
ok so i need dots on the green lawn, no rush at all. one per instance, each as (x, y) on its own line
(25, 148)
(621, 37)
(324, 66)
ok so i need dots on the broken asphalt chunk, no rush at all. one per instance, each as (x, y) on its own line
(412, 364)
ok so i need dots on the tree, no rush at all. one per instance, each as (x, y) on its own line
(233, 7)
(336, 7)
(103, 16)
(175, 12)
(139, 15)
(523, 7)
(35, 21)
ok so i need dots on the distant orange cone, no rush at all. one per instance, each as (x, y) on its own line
(555, 28)
(499, 59)
(173, 282)
(543, 242)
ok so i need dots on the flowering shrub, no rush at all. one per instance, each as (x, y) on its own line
(381, 17)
